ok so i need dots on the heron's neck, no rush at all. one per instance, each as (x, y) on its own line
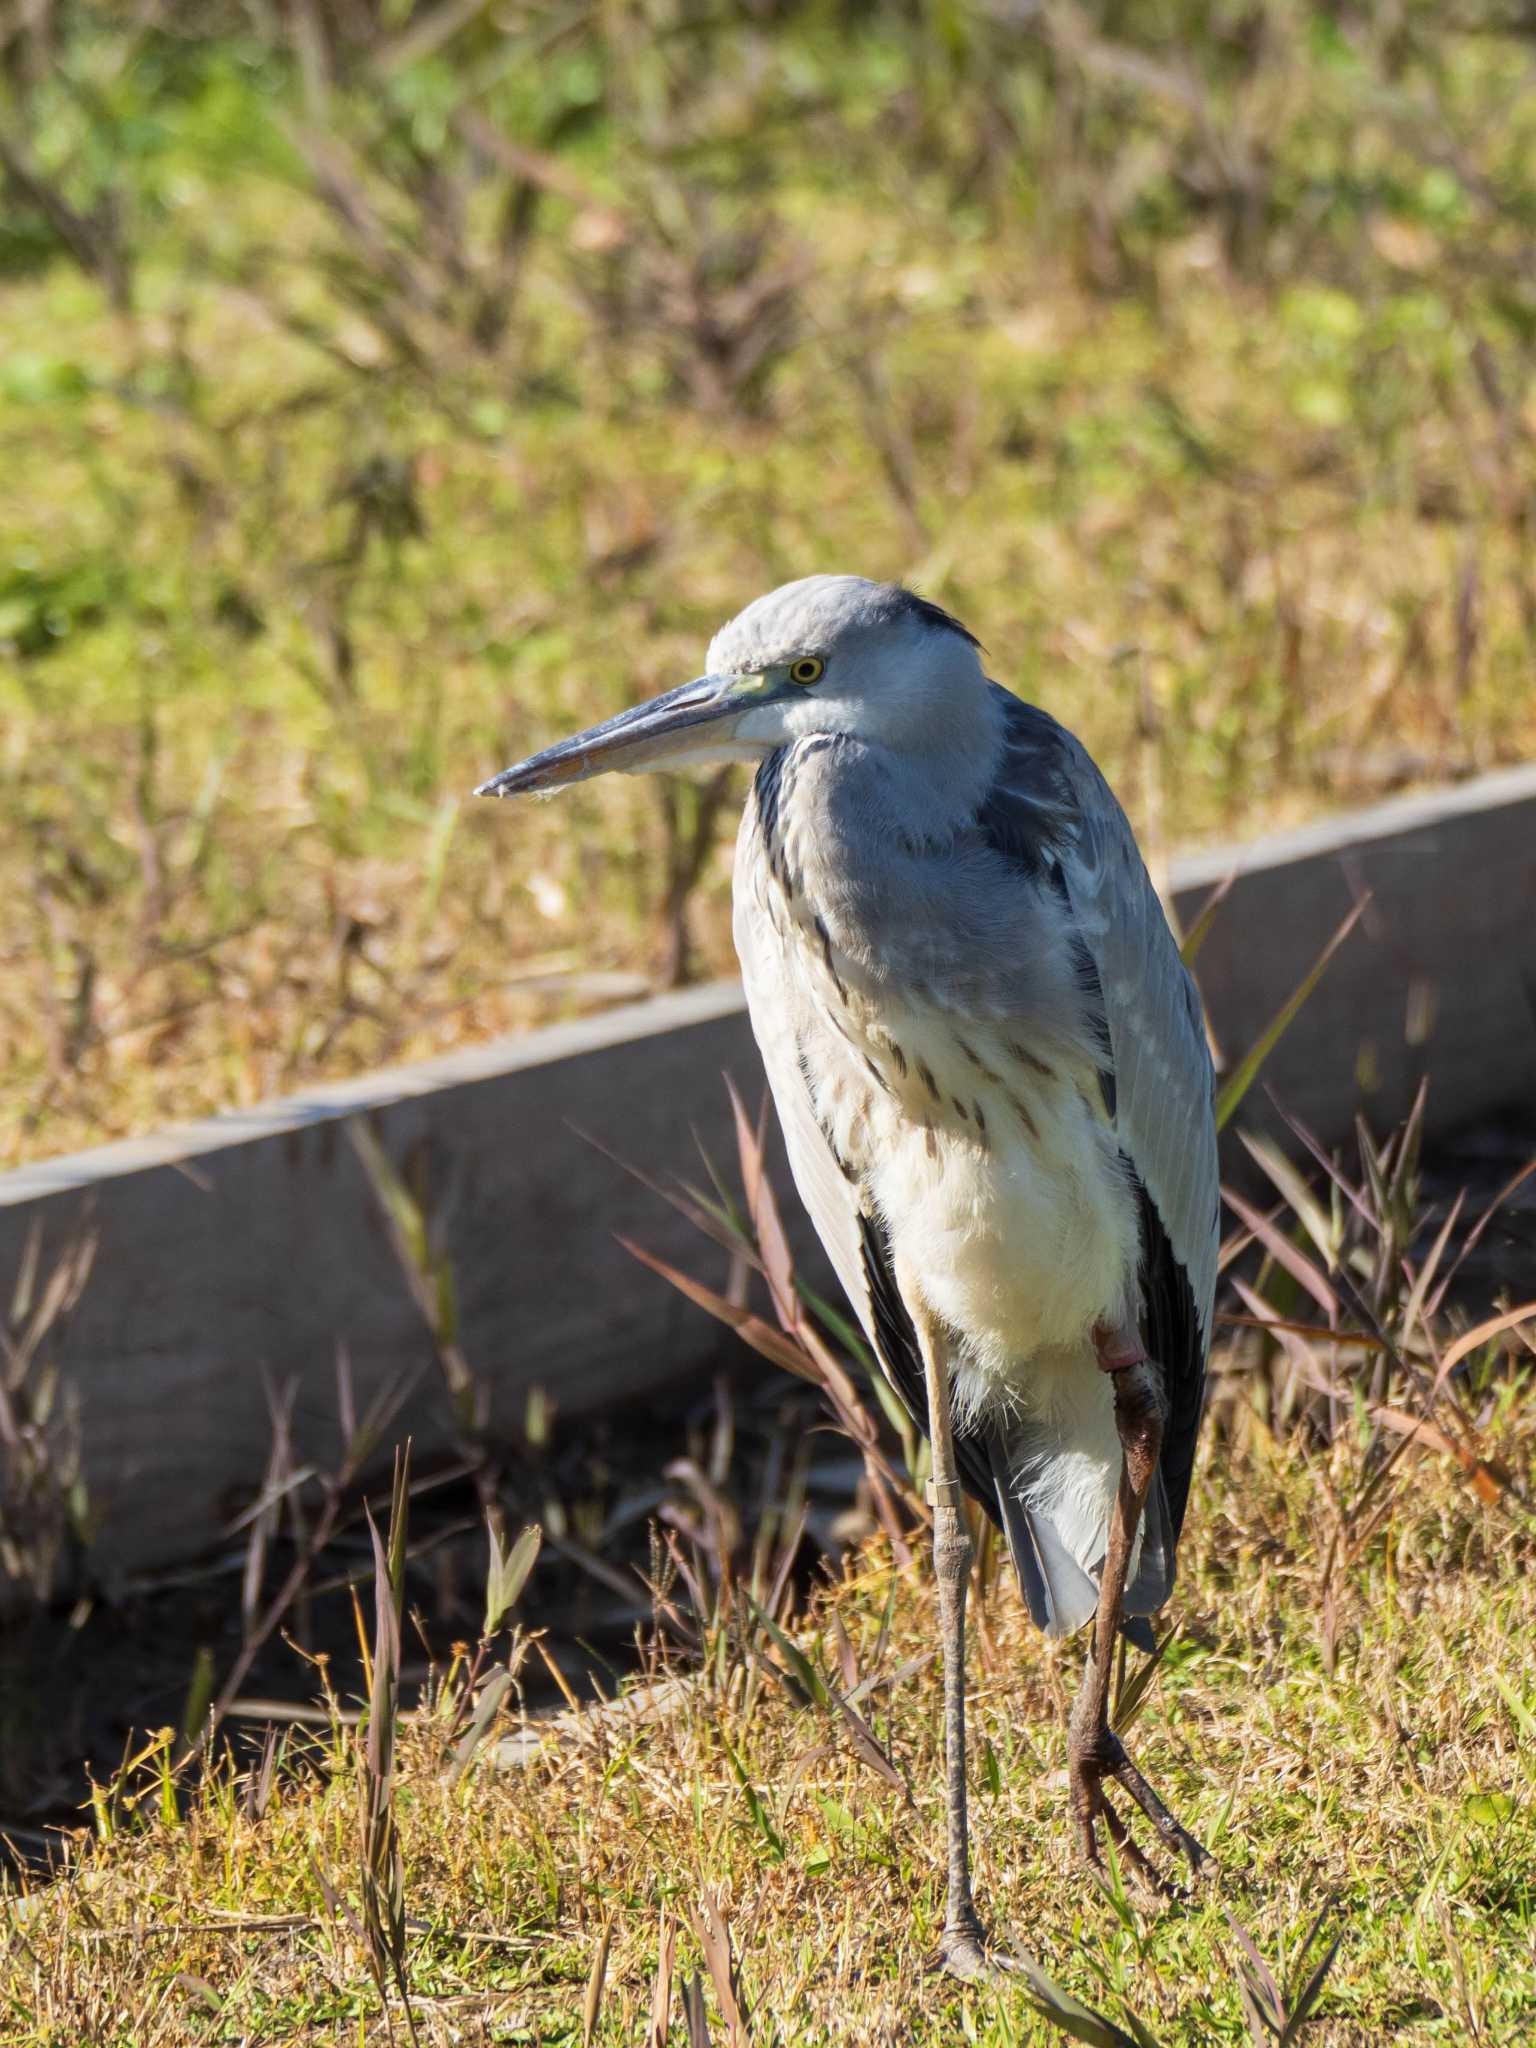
(923, 791)
(840, 815)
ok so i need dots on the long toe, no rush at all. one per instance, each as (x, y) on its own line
(1143, 1874)
(1092, 1811)
(1174, 1836)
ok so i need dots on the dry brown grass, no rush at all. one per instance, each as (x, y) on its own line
(1394, 1774)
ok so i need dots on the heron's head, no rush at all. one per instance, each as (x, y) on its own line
(829, 654)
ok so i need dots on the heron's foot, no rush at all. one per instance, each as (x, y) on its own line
(965, 1951)
(1089, 1766)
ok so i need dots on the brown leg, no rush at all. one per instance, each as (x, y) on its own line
(1094, 1751)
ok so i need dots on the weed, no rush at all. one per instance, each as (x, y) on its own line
(382, 1886)
(44, 1520)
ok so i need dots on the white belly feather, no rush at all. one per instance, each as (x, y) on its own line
(1020, 1237)
(1002, 1190)
(1019, 1244)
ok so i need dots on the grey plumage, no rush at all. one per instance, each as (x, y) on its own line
(1048, 837)
(996, 1095)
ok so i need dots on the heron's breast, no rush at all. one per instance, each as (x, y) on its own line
(994, 1164)
(1020, 1239)
(997, 1173)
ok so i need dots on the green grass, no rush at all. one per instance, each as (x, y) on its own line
(1381, 1759)
(288, 564)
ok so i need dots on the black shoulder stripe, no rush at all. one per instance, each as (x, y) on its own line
(1175, 1343)
(767, 787)
(1097, 1013)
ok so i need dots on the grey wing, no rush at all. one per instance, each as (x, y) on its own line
(1053, 810)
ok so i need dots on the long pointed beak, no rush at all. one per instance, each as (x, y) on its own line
(643, 738)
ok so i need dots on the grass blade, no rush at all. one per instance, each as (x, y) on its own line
(1077, 2021)
(1470, 1339)
(1280, 1248)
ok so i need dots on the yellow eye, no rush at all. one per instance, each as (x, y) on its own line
(808, 669)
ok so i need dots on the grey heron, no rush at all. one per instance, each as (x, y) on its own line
(996, 1093)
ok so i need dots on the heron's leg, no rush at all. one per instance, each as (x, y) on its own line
(1094, 1751)
(965, 1949)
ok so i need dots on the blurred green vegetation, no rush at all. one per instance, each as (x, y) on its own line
(391, 384)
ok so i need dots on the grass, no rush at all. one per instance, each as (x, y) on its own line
(748, 1848)
(289, 559)
(1393, 1777)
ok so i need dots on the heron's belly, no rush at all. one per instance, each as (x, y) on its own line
(1018, 1238)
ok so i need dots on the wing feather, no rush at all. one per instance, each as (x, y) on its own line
(1052, 810)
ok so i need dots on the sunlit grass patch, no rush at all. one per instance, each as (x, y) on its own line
(1398, 1786)
(293, 553)
(745, 1838)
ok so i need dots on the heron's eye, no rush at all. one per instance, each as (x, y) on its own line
(808, 669)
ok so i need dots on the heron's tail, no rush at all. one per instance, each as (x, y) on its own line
(1058, 1556)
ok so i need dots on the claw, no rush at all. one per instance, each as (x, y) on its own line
(1175, 1836)
(1087, 1774)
